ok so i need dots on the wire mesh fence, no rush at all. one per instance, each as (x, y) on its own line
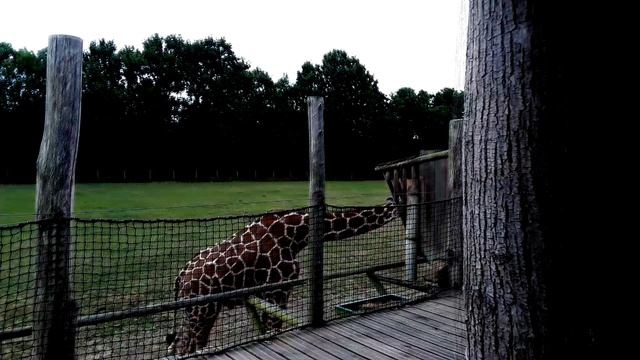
(149, 289)
(369, 272)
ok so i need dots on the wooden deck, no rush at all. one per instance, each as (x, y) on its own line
(430, 330)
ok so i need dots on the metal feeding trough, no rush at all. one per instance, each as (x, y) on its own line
(370, 304)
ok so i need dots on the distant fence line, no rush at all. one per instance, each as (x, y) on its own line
(194, 174)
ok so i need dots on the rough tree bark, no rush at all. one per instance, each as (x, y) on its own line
(511, 179)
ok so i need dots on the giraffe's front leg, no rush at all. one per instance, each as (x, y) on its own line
(208, 315)
(184, 341)
(196, 335)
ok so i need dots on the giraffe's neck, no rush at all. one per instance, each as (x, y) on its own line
(342, 225)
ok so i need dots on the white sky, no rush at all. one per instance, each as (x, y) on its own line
(415, 43)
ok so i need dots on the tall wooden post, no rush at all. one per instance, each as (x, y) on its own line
(411, 242)
(315, 108)
(454, 178)
(453, 244)
(55, 309)
(429, 239)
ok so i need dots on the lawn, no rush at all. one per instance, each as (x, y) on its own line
(188, 200)
(126, 265)
(120, 265)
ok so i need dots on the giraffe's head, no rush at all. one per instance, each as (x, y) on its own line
(390, 209)
(173, 344)
(180, 343)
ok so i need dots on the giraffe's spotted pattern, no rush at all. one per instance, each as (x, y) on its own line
(263, 253)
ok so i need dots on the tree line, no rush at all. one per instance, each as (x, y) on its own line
(194, 110)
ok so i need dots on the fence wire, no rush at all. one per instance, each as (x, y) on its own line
(368, 272)
(142, 288)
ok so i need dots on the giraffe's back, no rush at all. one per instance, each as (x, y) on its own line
(264, 252)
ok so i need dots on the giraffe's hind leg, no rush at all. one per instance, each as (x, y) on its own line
(279, 298)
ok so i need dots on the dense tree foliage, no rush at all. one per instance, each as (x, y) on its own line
(184, 110)
(22, 91)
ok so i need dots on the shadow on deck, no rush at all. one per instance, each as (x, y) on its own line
(433, 329)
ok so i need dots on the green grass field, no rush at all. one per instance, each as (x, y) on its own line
(120, 266)
(123, 265)
(188, 200)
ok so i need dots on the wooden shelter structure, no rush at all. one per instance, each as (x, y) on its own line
(414, 183)
(423, 175)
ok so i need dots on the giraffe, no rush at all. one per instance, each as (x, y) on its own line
(264, 252)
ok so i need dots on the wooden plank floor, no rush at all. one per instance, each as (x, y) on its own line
(430, 330)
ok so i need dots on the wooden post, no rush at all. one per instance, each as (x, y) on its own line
(454, 178)
(440, 177)
(427, 240)
(401, 196)
(315, 108)
(453, 244)
(55, 309)
(411, 244)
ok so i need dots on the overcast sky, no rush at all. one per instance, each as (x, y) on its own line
(415, 43)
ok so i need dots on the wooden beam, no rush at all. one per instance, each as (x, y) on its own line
(371, 269)
(453, 240)
(408, 284)
(55, 309)
(255, 317)
(315, 113)
(412, 231)
(95, 319)
(427, 187)
(376, 283)
(414, 160)
(272, 310)
(454, 178)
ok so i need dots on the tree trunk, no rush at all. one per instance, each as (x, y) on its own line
(538, 246)
(508, 172)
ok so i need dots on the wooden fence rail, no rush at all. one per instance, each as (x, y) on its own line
(96, 319)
